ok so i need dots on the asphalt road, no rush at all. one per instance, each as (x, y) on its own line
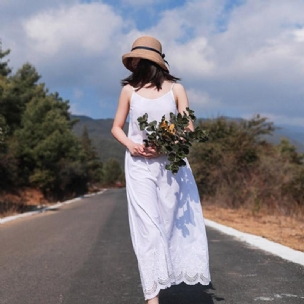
(82, 254)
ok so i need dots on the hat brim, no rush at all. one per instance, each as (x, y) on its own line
(143, 54)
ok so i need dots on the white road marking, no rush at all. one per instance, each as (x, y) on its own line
(277, 296)
(284, 252)
(44, 209)
(287, 295)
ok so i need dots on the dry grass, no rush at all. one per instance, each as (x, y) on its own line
(19, 201)
(28, 199)
(286, 230)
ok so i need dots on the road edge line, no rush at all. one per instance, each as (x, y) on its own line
(10, 218)
(282, 251)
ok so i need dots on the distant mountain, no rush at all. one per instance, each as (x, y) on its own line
(100, 132)
(107, 147)
(295, 134)
(100, 128)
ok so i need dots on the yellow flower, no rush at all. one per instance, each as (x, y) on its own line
(163, 124)
(172, 128)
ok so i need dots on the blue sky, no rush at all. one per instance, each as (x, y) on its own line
(235, 57)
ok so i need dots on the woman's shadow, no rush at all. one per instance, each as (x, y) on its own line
(189, 294)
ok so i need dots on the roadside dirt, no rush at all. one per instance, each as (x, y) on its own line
(19, 201)
(285, 230)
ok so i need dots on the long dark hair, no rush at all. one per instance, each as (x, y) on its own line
(146, 72)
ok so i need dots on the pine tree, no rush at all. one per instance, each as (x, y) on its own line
(93, 164)
(49, 153)
(8, 164)
(4, 68)
(4, 72)
(112, 172)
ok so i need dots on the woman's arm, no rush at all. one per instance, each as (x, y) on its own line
(119, 122)
(121, 116)
(182, 101)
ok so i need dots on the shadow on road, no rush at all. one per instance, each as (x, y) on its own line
(185, 294)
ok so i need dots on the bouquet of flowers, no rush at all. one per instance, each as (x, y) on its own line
(172, 138)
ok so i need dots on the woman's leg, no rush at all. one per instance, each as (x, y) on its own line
(153, 301)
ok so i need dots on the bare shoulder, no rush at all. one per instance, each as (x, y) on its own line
(126, 93)
(179, 92)
(178, 87)
(127, 89)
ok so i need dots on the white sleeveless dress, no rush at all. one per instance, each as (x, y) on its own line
(165, 214)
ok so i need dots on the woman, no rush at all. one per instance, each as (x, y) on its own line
(165, 214)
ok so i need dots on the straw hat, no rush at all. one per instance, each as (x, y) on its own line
(145, 47)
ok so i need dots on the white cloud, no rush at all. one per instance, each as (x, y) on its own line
(202, 103)
(257, 63)
(78, 94)
(140, 3)
(200, 98)
(192, 58)
(299, 35)
(77, 109)
(89, 28)
(258, 36)
(74, 45)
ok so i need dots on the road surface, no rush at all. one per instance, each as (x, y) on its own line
(82, 254)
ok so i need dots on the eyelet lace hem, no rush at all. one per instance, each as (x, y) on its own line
(175, 280)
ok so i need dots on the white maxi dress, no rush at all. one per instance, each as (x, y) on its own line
(165, 215)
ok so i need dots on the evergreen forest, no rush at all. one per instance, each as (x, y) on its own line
(38, 148)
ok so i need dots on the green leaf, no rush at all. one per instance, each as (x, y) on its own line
(181, 163)
(171, 156)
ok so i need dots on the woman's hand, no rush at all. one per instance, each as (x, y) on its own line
(150, 152)
(141, 150)
(136, 149)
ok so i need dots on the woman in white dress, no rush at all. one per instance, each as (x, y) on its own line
(165, 214)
